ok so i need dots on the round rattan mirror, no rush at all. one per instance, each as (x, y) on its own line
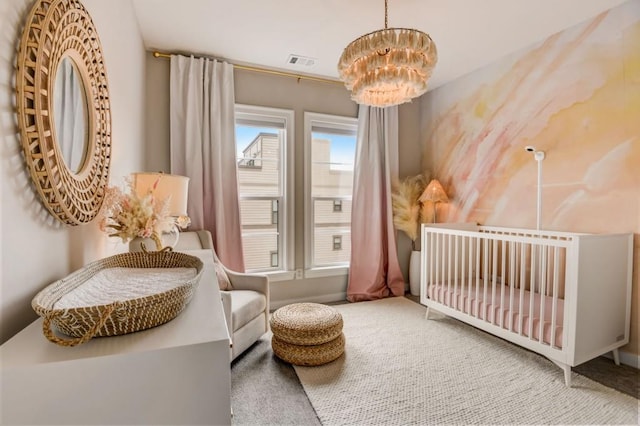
(57, 34)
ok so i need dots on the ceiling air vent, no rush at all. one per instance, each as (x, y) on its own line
(301, 61)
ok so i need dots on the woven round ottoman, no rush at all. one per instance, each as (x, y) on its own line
(307, 334)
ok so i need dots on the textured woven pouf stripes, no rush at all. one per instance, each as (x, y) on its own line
(307, 334)
(309, 355)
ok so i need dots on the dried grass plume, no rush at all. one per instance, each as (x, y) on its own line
(406, 205)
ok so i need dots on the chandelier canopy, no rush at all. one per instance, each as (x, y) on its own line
(389, 66)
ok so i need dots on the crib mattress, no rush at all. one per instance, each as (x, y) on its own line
(488, 307)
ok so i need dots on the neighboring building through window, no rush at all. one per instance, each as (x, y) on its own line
(252, 153)
(329, 159)
(274, 212)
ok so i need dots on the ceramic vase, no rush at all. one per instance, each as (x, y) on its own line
(414, 273)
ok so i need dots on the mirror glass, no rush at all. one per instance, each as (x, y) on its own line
(70, 114)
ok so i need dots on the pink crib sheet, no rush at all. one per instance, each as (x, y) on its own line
(489, 310)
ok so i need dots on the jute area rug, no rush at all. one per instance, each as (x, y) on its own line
(400, 368)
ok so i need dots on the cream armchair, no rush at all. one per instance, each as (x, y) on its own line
(246, 304)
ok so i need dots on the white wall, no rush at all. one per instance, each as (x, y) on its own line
(34, 249)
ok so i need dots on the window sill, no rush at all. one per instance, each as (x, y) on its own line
(329, 271)
(279, 275)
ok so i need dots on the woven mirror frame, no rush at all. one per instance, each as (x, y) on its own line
(54, 31)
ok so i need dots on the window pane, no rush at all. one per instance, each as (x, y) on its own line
(262, 136)
(328, 225)
(258, 151)
(332, 164)
(257, 214)
(332, 147)
(258, 248)
(259, 233)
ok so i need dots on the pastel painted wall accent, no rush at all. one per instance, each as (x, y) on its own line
(576, 96)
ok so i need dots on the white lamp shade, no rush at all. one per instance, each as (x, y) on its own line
(174, 186)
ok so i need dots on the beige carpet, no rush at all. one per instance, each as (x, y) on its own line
(401, 369)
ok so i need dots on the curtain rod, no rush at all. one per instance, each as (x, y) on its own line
(265, 71)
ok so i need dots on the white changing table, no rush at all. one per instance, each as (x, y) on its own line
(176, 373)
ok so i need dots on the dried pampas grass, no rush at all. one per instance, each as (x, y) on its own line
(406, 205)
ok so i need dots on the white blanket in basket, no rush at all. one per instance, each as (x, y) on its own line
(119, 284)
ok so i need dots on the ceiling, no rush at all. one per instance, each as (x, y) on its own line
(468, 33)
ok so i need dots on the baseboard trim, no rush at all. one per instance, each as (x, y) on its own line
(325, 298)
(626, 358)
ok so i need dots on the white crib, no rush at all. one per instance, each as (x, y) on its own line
(565, 296)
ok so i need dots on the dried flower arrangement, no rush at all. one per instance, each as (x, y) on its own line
(408, 211)
(129, 215)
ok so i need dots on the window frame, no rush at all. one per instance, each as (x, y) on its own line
(286, 202)
(338, 122)
(337, 242)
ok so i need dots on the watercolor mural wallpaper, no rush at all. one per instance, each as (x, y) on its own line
(575, 96)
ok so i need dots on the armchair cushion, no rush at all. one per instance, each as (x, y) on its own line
(245, 304)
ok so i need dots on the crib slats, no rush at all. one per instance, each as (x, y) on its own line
(493, 275)
(554, 306)
(544, 253)
(512, 281)
(463, 273)
(455, 272)
(438, 268)
(430, 261)
(503, 275)
(470, 281)
(485, 270)
(523, 251)
(449, 269)
(532, 280)
(477, 256)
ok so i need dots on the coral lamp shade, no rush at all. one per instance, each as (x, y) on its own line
(434, 192)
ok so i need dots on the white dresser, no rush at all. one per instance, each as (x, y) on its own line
(177, 373)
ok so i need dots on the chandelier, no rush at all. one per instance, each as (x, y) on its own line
(388, 67)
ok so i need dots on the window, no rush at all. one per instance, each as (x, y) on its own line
(337, 242)
(263, 143)
(274, 212)
(330, 143)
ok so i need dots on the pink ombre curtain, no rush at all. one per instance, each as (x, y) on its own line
(374, 272)
(203, 148)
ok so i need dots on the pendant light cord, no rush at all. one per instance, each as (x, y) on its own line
(386, 14)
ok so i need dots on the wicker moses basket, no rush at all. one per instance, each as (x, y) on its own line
(122, 314)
